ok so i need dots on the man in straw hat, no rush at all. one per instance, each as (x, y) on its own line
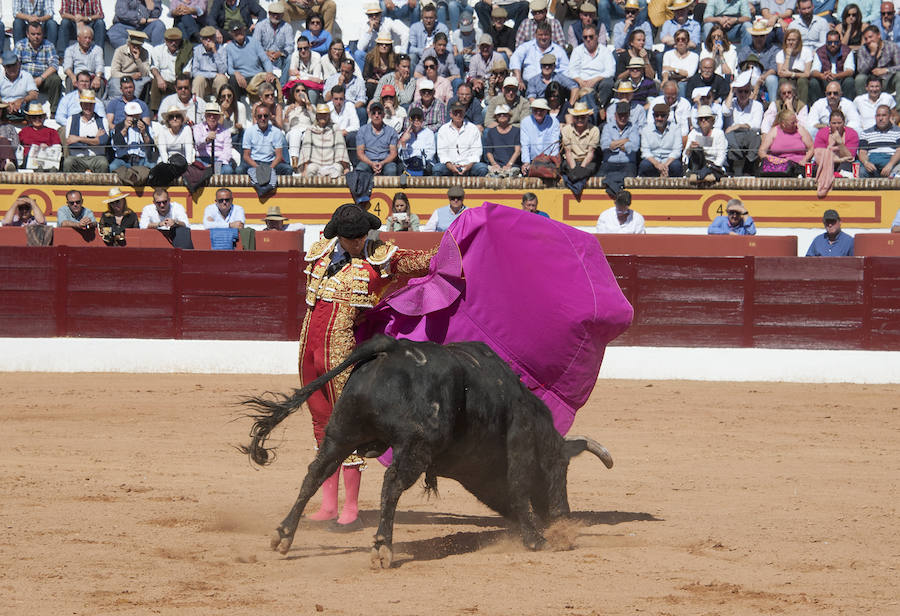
(275, 36)
(167, 61)
(117, 218)
(274, 221)
(36, 137)
(213, 140)
(346, 275)
(580, 141)
(682, 19)
(132, 60)
(137, 15)
(635, 19)
(706, 149)
(17, 87)
(743, 117)
(87, 136)
(624, 92)
(761, 54)
(661, 145)
(323, 150)
(209, 65)
(644, 87)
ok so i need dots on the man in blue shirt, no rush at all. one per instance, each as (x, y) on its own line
(376, 144)
(834, 242)
(443, 216)
(736, 221)
(264, 145)
(539, 134)
(246, 60)
(620, 142)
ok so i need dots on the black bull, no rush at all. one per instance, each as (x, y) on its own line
(454, 411)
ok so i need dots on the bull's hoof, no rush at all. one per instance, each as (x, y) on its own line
(535, 543)
(281, 541)
(382, 557)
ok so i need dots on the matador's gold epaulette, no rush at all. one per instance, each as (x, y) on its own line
(378, 252)
(320, 248)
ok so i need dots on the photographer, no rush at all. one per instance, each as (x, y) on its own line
(23, 213)
(131, 139)
(400, 218)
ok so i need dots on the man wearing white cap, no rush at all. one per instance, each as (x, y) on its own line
(539, 134)
(525, 62)
(519, 107)
(743, 117)
(435, 111)
(704, 154)
(87, 136)
(130, 139)
(275, 36)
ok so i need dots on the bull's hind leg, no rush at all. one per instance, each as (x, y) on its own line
(405, 469)
(325, 464)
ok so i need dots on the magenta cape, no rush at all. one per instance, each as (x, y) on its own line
(538, 292)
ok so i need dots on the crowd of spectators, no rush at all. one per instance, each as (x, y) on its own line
(614, 87)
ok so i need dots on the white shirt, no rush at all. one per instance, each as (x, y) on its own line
(820, 111)
(313, 71)
(752, 115)
(213, 219)
(182, 143)
(394, 28)
(680, 112)
(459, 146)
(716, 109)
(585, 66)
(867, 108)
(345, 120)
(714, 146)
(164, 62)
(798, 62)
(729, 59)
(608, 222)
(849, 63)
(688, 63)
(150, 215)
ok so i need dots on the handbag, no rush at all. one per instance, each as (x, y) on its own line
(545, 166)
(778, 167)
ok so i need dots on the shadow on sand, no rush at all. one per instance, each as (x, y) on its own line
(454, 544)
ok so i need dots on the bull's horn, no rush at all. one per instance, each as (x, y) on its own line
(595, 448)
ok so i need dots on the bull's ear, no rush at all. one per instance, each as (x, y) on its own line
(574, 445)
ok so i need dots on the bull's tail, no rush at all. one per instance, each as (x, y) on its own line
(273, 408)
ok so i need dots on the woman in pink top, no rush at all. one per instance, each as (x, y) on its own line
(842, 140)
(786, 147)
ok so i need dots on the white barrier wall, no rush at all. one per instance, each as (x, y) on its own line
(249, 357)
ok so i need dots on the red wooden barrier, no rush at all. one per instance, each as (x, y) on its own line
(876, 244)
(776, 302)
(673, 245)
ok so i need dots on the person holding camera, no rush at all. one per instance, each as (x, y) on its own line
(117, 217)
(401, 218)
(131, 139)
(24, 213)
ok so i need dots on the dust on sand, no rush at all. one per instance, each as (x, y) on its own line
(123, 494)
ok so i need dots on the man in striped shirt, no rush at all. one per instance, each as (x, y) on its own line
(38, 57)
(879, 146)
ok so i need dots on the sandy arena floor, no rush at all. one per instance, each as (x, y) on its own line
(123, 494)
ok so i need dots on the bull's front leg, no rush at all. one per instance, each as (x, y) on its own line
(323, 466)
(519, 472)
(405, 468)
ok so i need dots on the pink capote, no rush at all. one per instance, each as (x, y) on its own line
(538, 292)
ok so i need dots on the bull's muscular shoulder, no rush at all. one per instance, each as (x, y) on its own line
(378, 252)
(320, 248)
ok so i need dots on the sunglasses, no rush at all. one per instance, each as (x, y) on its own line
(590, 37)
(303, 47)
(630, 12)
(660, 115)
(226, 200)
(887, 13)
(456, 198)
(427, 66)
(681, 39)
(75, 202)
(182, 87)
(830, 222)
(268, 95)
(163, 202)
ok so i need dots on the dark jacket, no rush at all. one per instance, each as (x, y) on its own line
(720, 87)
(248, 8)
